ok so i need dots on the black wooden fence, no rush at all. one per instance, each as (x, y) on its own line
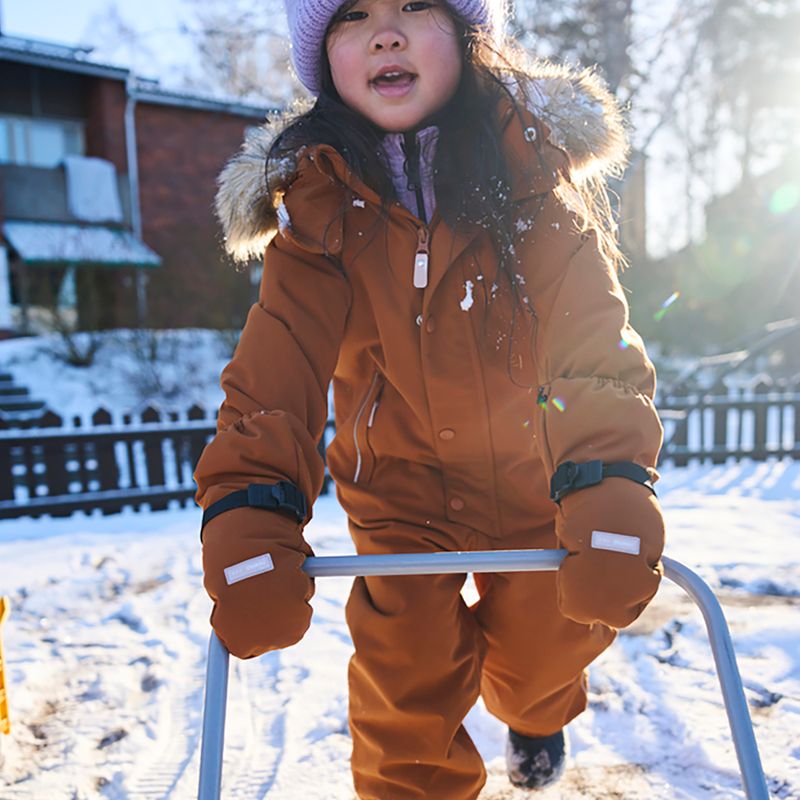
(759, 424)
(147, 460)
(139, 461)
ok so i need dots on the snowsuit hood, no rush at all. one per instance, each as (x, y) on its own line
(579, 115)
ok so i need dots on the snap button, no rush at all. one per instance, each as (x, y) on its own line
(419, 320)
(456, 504)
(430, 325)
(530, 134)
(447, 434)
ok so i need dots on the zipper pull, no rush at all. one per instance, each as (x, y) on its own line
(421, 259)
(543, 396)
(375, 407)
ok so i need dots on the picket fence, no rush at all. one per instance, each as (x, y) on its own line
(145, 461)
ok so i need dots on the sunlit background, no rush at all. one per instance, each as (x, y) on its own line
(710, 205)
(118, 312)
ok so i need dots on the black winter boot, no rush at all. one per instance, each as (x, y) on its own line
(534, 762)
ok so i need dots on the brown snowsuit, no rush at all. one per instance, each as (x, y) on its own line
(449, 423)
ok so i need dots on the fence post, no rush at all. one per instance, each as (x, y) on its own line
(760, 431)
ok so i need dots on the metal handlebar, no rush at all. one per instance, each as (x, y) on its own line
(741, 726)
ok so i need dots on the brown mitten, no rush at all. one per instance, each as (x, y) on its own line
(252, 560)
(614, 532)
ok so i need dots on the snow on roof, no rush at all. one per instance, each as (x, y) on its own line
(55, 243)
(73, 59)
(148, 90)
(151, 91)
(44, 48)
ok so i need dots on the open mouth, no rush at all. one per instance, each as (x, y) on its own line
(394, 82)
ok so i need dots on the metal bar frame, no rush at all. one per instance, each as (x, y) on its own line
(730, 680)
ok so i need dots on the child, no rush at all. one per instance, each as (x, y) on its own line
(444, 257)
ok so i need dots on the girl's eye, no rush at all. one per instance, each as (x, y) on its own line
(351, 16)
(417, 5)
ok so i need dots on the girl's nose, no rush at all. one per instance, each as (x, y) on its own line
(387, 39)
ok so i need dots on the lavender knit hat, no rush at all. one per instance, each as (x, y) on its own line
(309, 19)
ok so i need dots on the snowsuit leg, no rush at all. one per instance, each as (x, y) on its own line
(422, 658)
(414, 676)
(534, 676)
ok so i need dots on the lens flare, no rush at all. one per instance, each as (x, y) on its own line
(784, 198)
(659, 315)
(559, 404)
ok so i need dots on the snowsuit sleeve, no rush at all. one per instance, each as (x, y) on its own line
(593, 368)
(270, 424)
(275, 406)
(597, 387)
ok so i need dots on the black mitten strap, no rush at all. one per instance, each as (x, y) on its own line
(282, 496)
(571, 476)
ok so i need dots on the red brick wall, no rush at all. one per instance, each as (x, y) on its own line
(105, 124)
(181, 152)
(108, 295)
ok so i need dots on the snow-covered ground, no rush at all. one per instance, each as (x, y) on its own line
(131, 370)
(106, 641)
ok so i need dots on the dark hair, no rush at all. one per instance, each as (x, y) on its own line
(468, 134)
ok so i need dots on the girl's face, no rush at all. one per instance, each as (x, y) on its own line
(394, 61)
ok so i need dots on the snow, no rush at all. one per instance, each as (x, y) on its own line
(171, 370)
(467, 300)
(106, 639)
(523, 225)
(92, 193)
(52, 242)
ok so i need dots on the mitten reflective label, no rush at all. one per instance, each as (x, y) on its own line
(602, 540)
(247, 569)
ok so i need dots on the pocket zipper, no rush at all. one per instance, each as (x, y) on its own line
(358, 419)
(372, 413)
(542, 399)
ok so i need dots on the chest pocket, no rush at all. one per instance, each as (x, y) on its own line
(362, 426)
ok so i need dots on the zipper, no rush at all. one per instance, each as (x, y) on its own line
(542, 397)
(358, 419)
(422, 257)
(541, 425)
(375, 405)
(414, 180)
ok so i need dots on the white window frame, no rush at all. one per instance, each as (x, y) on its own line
(17, 133)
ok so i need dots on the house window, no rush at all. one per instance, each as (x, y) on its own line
(39, 142)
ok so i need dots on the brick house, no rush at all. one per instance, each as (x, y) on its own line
(106, 192)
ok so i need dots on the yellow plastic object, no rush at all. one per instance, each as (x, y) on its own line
(5, 721)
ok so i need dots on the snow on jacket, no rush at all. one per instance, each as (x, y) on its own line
(439, 409)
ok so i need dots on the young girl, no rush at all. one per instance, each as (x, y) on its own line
(444, 255)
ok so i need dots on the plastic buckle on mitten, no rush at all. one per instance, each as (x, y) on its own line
(260, 495)
(277, 497)
(290, 499)
(571, 476)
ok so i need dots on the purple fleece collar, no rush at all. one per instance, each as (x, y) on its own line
(396, 163)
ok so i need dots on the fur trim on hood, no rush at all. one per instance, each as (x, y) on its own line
(583, 117)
